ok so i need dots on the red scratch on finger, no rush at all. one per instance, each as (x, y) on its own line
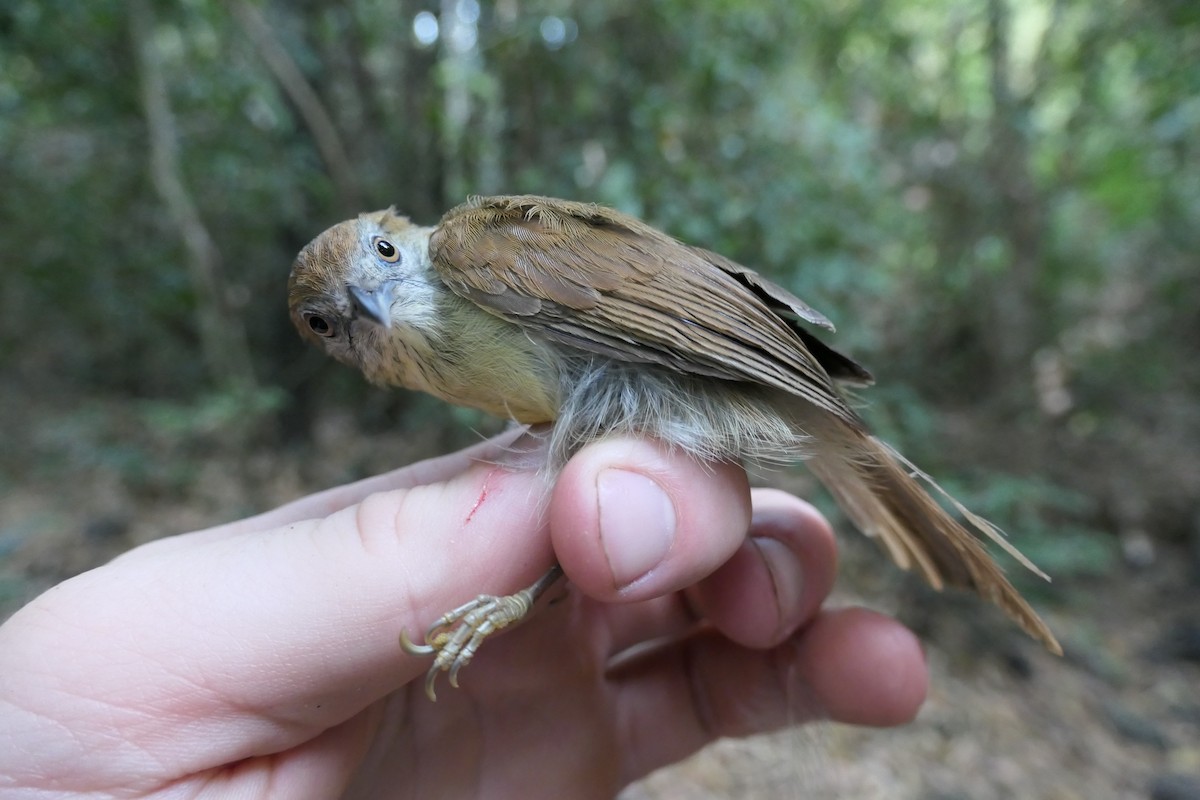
(483, 493)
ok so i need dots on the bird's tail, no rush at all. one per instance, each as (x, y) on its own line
(886, 497)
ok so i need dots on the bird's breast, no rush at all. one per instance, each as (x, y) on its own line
(475, 359)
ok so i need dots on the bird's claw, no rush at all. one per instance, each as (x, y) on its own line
(456, 636)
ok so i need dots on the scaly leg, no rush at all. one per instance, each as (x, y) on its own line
(455, 637)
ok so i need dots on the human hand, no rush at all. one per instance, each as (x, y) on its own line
(260, 658)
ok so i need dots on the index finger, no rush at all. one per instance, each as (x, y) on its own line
(322, 504)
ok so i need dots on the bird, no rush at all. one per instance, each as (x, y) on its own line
(589, 320)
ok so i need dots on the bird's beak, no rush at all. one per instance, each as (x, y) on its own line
(374, 304)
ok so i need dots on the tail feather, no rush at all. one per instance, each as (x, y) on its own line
(882, 493)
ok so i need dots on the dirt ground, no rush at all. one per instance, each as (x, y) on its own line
(1118, 717)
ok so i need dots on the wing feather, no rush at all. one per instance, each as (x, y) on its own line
(607, 283)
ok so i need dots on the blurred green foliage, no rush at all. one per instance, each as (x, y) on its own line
(998, 203)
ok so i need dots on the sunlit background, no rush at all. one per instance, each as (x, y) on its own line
(997, 202)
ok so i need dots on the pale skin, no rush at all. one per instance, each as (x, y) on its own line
(260, 658)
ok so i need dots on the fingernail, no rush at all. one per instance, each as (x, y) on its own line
(637, 523)
(787, 575)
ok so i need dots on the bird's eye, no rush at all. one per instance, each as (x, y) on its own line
(386, 250)
(319, 325)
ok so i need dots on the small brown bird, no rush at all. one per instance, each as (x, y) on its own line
(551, 311)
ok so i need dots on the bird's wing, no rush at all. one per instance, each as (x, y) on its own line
(604, 282)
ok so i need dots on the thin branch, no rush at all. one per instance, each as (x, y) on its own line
(223, 340)
(306, 100)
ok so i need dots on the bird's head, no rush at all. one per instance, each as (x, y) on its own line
(364, 286)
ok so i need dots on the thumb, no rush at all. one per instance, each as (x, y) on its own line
(634, 518)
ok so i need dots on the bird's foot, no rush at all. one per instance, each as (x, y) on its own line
(456, 636)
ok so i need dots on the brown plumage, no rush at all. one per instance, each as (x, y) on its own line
(600, 323)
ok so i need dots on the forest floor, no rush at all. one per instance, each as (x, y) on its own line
(1118, 717)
